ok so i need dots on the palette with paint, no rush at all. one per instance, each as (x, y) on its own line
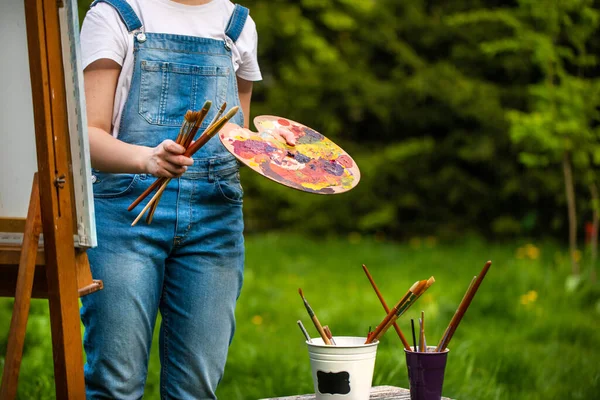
(315, 164)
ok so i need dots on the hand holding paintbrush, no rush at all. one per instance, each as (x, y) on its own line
(191, 123)
(191, 149)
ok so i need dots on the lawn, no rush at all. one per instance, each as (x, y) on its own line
(530, 333)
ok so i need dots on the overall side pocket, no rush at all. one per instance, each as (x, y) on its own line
(230, 187)
(107, 185)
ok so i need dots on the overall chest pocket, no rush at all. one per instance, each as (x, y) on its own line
(169, 90)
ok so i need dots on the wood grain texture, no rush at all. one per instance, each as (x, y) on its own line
(24, 286)
(377, 393)
(12, 225)
(52, 142)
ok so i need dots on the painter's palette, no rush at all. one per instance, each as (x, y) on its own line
(315, 164)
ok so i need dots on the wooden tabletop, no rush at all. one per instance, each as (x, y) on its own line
(377, 393)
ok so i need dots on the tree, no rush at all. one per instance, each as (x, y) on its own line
(560, 122)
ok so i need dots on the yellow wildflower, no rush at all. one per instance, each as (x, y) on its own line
(529, 297)
(532, 252)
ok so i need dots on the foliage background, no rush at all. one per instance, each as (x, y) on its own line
(459, 114)
(422, 94)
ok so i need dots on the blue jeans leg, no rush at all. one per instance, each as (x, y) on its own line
(120, 319)
(119, 322)
(203, 279)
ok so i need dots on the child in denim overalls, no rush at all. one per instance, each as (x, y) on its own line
(189, 262)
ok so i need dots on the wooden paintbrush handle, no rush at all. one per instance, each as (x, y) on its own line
(320, 330)
(462, 308)
(386, 308)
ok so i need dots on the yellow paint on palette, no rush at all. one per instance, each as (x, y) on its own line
(315, 164)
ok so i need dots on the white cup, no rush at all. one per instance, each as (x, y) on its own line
(343, 371)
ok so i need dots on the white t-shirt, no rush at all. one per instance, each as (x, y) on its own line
(104, 35)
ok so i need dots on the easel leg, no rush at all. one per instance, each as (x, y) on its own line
(18, 323)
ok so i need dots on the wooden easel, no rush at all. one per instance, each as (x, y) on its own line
(60, 272)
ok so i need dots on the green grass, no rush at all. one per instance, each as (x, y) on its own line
(527, 334)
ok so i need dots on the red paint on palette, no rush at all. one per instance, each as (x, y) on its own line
(314, 165)
(345, 161)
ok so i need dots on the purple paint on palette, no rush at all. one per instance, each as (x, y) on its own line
(248, 148)
(301, 158)
(331, 167)
(310, 136)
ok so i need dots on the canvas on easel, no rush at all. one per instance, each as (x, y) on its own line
(44, 130)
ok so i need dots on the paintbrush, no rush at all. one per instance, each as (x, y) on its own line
(192, 122)
(393, 311)
(416, 290)
(386, 308)
(329, 334)
(462, 308)
(186, 139)
(218, 114)
(447, 331)
(304, 332)
(420, 349)
(184, 132)
(412, 324)
(422, 332)
(315, 320)
(210, 132)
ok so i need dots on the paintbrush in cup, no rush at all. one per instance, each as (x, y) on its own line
(304, 332)
(329, 334)
(412, 324)
(416, 290)
(386, 308)
(422, 332)
(447, 331)
(391, 314)
(462, 308)
(314, 319)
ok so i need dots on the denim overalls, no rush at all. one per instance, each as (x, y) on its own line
(189, 262)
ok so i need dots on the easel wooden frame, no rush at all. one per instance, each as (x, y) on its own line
(67, 274)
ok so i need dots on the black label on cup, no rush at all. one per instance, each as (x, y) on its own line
(333, 382)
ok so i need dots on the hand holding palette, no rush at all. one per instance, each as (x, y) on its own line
(315, 164)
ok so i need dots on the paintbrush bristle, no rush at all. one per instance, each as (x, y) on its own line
(430, 282)
(232, 111)
(300, 291)
(207, 105)
(189, 115)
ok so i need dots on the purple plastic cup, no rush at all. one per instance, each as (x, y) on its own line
(426, 373)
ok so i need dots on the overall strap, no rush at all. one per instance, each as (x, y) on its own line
(125, 11)
(236, 22)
